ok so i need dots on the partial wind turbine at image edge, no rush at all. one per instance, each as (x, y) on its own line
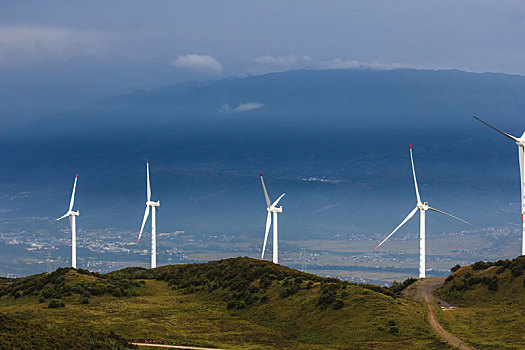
(521, 144)
(273, 210)
(153, 206)
(422, 207)
(72, 220)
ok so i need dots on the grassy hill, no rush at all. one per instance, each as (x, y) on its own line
(19, 334)
(239, 303)
(491, 300)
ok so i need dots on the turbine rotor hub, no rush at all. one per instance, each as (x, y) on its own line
(423, 206)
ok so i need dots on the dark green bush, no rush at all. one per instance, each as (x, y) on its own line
(338, 304)
(55, 303)
(516, 271)
(398, 287)
(455, 268)
(325, 300)
(482, 265)
(394, 330)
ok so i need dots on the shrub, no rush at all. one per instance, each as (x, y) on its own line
(338, 304)
(516, 271)
(494, 284)
(325, 300)
(481, 265)
(398, 287)
(393, 330)
(455, 268)
(55, 303)
(84, 300)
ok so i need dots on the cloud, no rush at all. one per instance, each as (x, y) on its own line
(199, 63)
(243, 107)
(337, 63)
(286, 61)
(35, 44)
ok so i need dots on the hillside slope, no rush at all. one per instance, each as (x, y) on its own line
(491, 300)
(238, 303)
(19, 334)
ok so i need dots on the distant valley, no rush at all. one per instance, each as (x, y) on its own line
(335, 141)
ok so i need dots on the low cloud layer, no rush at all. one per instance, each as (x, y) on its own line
(285, 61)
(337, 63)
(198, 63)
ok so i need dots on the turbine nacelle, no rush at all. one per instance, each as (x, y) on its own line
(275, 209)
(69, 213)
(153, 204)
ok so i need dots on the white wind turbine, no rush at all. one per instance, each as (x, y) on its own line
(423, 207)
(272, 209)
(521, 145)
(153, 206)
(72, 220)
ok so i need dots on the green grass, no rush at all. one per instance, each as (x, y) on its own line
(491, 300)
(239, 304)
(19, 334)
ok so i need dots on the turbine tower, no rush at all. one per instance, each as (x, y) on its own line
(422, 207)
(72, 220)
(272, 209)
(153, 206)
(521, 145)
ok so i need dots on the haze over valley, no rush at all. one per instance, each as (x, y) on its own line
(336, 141)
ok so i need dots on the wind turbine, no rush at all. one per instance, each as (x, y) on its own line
(422, 207)
(153, 206)
(272, 209)
(72, 220)
(521, 145)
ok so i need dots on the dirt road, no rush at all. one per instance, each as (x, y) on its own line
(426, 290)
(172, 346)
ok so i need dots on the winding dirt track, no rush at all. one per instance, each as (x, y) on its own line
(172, 346)
(427, 291)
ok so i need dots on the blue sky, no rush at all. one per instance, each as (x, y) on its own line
(57, 55)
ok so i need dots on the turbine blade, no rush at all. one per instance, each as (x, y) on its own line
(409, 216)
(501, 132)
(265, 192)
(146, 214)
(72, 201)
(268, 222)
(414, 172)
(63, 216)
(278, 199)
(148, 189)
(452, 216)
